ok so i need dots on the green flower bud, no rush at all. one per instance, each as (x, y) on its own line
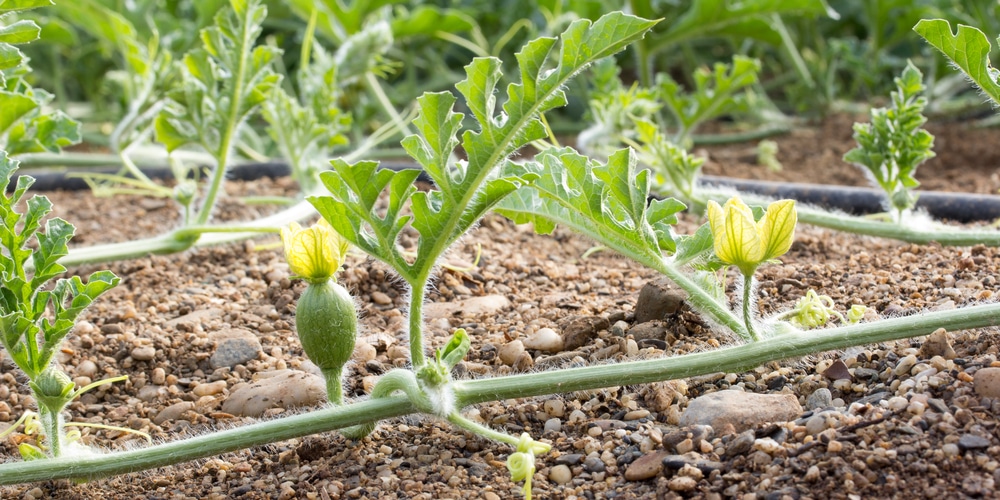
(327, 325)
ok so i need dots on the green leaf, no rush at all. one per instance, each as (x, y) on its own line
(18, 5)
(10, 57)
(14, 107)
(968, 48)
(605, 202)
(223, 83)
(23, 31)
(466, 190)
(715, 93)
(695, 247)
(351, 210)
(439, 126)
(726, 18)
(893, 145)
(427, 20)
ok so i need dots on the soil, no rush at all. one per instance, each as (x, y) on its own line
(912, 434)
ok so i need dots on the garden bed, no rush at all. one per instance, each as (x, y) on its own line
(917, 430)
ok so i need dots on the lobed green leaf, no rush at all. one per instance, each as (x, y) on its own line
(606, 202)
(968, 48)
(467, 189)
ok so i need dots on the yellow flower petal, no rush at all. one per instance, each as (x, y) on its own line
(778, 228)
(314, 253)
(741, 246)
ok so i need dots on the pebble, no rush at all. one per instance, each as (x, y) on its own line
(682, 483)
(87, 368)
(143, 353)
(593, 464)
(381, 298)
(646, 466)
(740, 445)
(545, 340)
(636, 414)
(986, 382)
(159, 376)
(172, 412)
(554, 408)
(552, 425)
(937, 344)
(580, 330)
(282, 389)
(560, 474)
(364, 352)
(510, 351)
(904, 365)
(684, 463)
(820, 398)
(657, 299)
(569, 459)
(244, 346)
(973, 442)
(619, 328)
(812, 474)
(473, 306)
(837, 371)
(741, 410)
(652, 330)
(209, 389)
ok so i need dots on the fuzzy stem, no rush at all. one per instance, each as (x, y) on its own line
(416, 323)
(731, 359)
(334, 386)
(748, 302)
(52, 425)
(461, 422)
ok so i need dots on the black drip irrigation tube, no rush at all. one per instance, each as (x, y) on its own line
(958, 207)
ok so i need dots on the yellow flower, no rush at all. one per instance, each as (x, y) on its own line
(745, 243)
(313, 253)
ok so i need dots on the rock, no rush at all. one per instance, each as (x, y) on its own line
(580, 330)
(545, 340)
(209, 389)
(283, 389)
(560, 474)
(986, 382)
(593, 464)
(742, 410)
(837, 371)
(657, 299)
(552, 425)
(937, 344)
(647, 466)
(740, 445)
(524, 362)
(143, 353)
(172, 412)
(473, 306)
(569, 459)
(619, 328)
(381, 299)
(651, 330)
(820, 398)
(682, 483)
(234, 347)
(659, 396)
(87, 368)
(973, 442)
(554, 408)
(364, 352)
(509, 352)
(685, 462)
(904, 365)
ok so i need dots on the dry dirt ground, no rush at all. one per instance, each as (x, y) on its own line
(920, 430)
